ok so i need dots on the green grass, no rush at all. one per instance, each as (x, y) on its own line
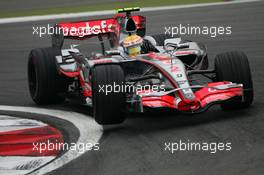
(101, 6)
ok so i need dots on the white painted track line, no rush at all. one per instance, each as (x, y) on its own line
(111, 12)
(90, 132)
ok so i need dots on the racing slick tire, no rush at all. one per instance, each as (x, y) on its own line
(45, 83)
(108, 107)
(234, 66)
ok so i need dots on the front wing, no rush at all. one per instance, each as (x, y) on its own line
(213, 93)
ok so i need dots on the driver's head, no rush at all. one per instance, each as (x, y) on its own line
(132, 45)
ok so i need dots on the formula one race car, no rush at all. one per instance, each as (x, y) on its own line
(166, 74)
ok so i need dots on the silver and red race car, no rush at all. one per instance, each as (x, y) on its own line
(169, 73)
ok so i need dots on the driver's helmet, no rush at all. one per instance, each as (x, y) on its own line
(132, 45)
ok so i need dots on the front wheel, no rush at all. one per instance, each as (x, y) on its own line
(108, 96)
(234, 67)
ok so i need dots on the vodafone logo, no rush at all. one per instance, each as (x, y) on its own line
(87, 28)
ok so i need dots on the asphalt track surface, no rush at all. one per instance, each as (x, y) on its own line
(137, 146)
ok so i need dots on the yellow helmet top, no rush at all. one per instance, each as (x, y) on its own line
(132, 44)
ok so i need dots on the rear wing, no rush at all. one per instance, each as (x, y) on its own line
(91, 28)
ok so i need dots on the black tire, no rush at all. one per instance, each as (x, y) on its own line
(160, 38)
(45, 84)
(108, 108)
(234, 67)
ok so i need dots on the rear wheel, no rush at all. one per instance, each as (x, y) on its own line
(234, 67)
(108, 98)
(45, 84)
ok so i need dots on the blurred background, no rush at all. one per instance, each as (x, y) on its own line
(12, 8)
